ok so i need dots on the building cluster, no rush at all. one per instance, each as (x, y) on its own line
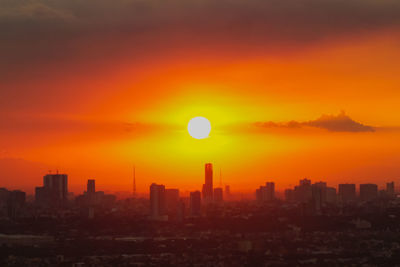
(319, 194)
(54, 190)
(167, 203)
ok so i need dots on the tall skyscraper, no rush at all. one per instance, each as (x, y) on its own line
(91, 191)
(91, 186)
(195, 203)
(208, 185)
(157, 202)
(347, 192)
(368, 192)
(319, 194)
(390, 189)
(54, 190)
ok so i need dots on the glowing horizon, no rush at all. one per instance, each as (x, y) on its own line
(290, 93)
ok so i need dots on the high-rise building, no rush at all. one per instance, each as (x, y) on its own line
(227, 192)
(368, 192)
(91, 186)
(218, 195)
(303, 192)
(54, 190)
(347, 192)
(266, 193)
(319, 194)
(91, 192)
(11, 202)
(390, 189)
(208, 185)
(195, 203)
(331, 196)
(290, 195)
(157, 202)
(305, 182)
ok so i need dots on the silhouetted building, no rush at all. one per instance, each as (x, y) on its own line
(218, 195)
(91, 186)
(195, 203)
(347, 192)
(368, 192)
(54, 190)
(290, 195)
(319, 194)
(4, 196)
(227, 192)
(305, 182)
(331, 196)
(266, 193)
(11, 202)
(390, 189)
(303, 192)
(208, 185)
(91, 192)
(157, 202)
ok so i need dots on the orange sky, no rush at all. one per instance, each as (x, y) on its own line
(92, 91)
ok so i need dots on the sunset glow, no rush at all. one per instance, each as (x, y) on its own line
(289, 93)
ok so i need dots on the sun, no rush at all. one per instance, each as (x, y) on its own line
(199, 127)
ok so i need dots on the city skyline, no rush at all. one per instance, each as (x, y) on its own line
(233, 133)
(288, 92)
(57, 188)
(132, 191)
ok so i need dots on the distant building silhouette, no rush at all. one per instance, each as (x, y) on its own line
(319, 194)
(303, 192)
(347, 192)
(11, 202)
(157, 202)
(290, 195)
(91, 186)
(227, 192)
(218, 195)
(208, 185)
(331, 196)
(390, 189)
(195, 203)
(91, 192)
(54, 190)
(368, 192)
(266, 193)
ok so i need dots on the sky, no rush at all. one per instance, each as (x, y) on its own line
(293, 89)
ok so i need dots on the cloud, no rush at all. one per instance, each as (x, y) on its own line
(332, 123)
(36, 31)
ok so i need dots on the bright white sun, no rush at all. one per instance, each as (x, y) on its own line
(199, 127)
